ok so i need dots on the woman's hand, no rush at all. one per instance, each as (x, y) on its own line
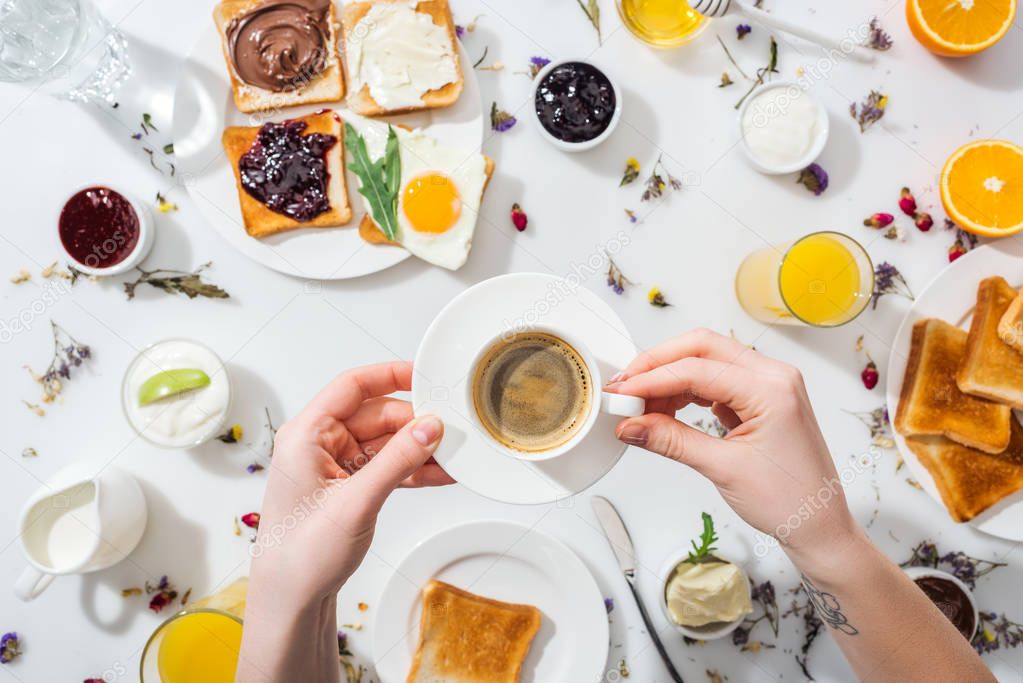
(333, 467)
(773, 467)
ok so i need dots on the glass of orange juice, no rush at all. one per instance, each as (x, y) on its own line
(661, 23)
(824, 279)
(199, 644)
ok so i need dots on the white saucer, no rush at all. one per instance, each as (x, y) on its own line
(203, 107)
(951, 296)
(438, 385)
(508, 562)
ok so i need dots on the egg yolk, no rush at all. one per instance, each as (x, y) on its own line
(431, 203)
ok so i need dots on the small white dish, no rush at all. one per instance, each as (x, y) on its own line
(709, 631)
(951, 296)
(210, 363)
(147, 235)
(821, 130)
(922, 572)
(443, 370)
(508, 562)
(574, 146)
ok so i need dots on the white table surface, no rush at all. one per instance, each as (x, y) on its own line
(284, 337)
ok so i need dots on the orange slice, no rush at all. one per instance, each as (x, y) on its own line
(982, 187)
(956, 28)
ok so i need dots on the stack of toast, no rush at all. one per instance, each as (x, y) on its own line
(958, 393)
(467, 638)
(263, 39)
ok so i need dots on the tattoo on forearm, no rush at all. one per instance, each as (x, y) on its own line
(828, 609)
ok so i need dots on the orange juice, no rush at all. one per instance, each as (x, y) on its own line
(662, 23)
(823, 279)
(200, 647)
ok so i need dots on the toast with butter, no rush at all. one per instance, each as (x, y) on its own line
(400, 56)
(467, 638)
(931, 403)
(971, 481)
(991, 368)
(1010, 327)
(280, 54)
(260, 220)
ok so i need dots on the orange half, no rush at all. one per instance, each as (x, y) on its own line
(956, 28)
(982, 187)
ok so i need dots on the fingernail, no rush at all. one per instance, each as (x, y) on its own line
(618, 377)
(427, 430)
(633, 434)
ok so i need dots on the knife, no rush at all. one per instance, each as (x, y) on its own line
(621, 545)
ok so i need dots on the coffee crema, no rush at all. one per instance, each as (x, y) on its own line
(533, 392)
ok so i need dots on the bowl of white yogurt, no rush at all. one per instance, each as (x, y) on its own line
(182, 418)
(782, 127)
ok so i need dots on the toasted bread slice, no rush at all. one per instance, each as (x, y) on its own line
(259, 220)
(361, 101)
(1010, 327)
(932, 404)
(371, 232)
(466, 638)
(326, 86)
(971, 481)
(991, 368)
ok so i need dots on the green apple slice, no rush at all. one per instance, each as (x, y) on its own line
(171, 383)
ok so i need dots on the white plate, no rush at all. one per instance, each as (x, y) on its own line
(439, 384)
(951, 297)
(508, 562)
(203, 107)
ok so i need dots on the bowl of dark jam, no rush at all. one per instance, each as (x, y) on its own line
(576, 104)
(104, 231)
(950, 595)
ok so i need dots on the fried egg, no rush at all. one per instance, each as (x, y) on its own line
(439, 192)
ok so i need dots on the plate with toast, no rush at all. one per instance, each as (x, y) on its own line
(955, 382)
(491, 602)
(330, 141)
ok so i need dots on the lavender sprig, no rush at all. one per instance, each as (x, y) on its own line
(964, 567)
(996, 631)
(888, 280)
(616, 279)
(877, 37)
(870, 111)
(500, 120)
(68, 353)
(656, 184)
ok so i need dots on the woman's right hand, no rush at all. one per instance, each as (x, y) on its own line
(773, 466)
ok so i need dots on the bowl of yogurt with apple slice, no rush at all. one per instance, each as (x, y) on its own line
(176, 394)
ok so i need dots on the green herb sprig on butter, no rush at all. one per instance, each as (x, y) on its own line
(702, 553)
(379, 179)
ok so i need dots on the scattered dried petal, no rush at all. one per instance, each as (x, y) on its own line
(500, 120)
(29, 452)
(22, 276)
(726, 80)
(251, 520)
(814, 178)
(519, 218)
(631, 172)
(237, 529)
(232, 435)
(163, 205)
(362, 606)
(656, 298)
(631, 215)
(10, 647)
(742, 30)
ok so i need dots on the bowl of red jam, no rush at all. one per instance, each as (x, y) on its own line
(104, 231)
(576, 104)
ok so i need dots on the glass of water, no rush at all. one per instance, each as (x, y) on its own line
(64, 47)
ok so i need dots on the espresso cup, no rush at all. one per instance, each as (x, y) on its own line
(537, 393)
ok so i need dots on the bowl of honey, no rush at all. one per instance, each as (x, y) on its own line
(661, 23)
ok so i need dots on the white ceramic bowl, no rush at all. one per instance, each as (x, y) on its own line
(711, 631)
(921, 572)
(147, 235)
(574, 146)
(820, 140)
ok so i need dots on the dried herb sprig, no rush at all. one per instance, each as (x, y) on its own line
(763, 595)
(728, 54)
(616, 279)
(68, 353)
(500, 120)
(877, 37)
(812, 626)
(888, 280)
(592, 11)
(766, 71)
(996, 631)
(879, 425)
(177, 282)
(964, 567)
(656, 185)
(870, 111)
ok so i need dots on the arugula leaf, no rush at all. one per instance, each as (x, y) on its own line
(702, 553)
(379, 180)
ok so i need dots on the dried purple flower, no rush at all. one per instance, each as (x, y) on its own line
(878, 38)
(536, 64)
(500, 120)
(742, 30)
(342, 644)
(964, 567)
(655, 184)
(459, 31)
(616, 279)
(254, 467)
(814, 178)
(888, 280)
(68, 352)
(609, 604)
(870, 111)
(995, 631)
(10, 648)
